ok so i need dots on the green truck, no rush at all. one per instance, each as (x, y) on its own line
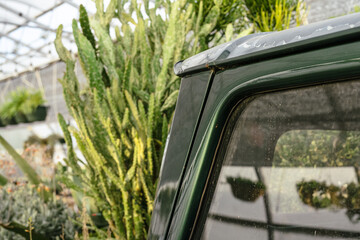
(265, 139)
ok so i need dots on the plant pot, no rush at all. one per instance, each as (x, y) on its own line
(39, 114)
(9, 121)
(5, 121)
(20, 118)
(2, 124)
(245, 189)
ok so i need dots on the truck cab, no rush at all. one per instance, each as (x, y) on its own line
(265, 139)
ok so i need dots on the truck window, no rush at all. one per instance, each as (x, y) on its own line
(289, 168)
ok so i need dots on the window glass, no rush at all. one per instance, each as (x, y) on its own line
(290, 168)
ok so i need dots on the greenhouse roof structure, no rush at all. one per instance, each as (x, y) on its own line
(28, 29)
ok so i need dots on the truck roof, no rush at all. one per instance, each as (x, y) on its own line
(259, 46)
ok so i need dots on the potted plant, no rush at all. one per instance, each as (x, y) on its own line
(11, 110)
(7, 112)
(2, 124)
(245, 189)
(23, 106)
(18, 98)
(33, 107)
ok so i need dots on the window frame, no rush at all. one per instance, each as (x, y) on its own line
(219, 158)
(306, 69)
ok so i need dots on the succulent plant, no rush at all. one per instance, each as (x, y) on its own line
(124, 113)
(19, 203)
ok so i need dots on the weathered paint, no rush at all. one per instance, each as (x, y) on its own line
(256, 47)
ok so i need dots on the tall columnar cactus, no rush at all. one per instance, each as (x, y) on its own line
(123, 115)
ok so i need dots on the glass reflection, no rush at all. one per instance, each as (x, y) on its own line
(245, 189)
(320, 195)
(291, 168)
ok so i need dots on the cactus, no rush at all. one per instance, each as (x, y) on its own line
(123, 115)
(19, 203)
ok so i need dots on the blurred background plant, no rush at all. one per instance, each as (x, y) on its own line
(50, 220)
(21, 106)
(28, 190)
(36, 159)
(13, 104)
(275, 15)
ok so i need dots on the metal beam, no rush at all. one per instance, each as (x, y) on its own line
(72, 3)
(28, 4)
(312, 230)
(27, 53)
(12, 60)
(29, 19)
(41, 14)
(22, 43)
(24, 25)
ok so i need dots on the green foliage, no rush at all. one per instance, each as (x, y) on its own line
(356, 9)
(3, 180)
(323, 148)
(275, 15)
(216, 18)
(33, 100)
(13, 103)
(123, 115)
(21, 101)
(321, 195)
(30, 173)
(245, 189)
(20, 203)
(318, 148)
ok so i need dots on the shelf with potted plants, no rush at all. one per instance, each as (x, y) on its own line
(22, 106)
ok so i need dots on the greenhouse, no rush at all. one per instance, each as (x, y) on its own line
(88, 94)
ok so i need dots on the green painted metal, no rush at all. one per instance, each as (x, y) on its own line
(233, 86)
(192, 93)
(318, 53)
(262, 46)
